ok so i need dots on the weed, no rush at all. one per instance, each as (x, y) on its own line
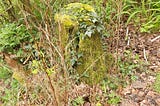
(113, 98)
(9, 96)
(127, 67)
(15, 39)
(77, 101)
(5, 73)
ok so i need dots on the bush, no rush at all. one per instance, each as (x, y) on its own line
(13, 37)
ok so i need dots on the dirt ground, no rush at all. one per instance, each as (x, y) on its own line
(140, 92)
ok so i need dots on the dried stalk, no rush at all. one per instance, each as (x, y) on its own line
(155, 38)
(54, 93)
(63, 64)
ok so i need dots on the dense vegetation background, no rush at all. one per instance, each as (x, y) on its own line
(35, 70)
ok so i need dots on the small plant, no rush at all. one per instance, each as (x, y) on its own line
(9, 96)
(127, 67)
(12, 37)
(78, 101)
(157, 83)
(16, 40)
(113, 98)
(5, 73)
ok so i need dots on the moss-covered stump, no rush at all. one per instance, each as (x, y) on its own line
(80, 21)
(92, 67)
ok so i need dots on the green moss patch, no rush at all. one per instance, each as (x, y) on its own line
(157, 83)
(92, 67)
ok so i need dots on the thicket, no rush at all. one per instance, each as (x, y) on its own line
(31, 41)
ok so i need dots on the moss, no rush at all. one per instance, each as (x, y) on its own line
(80, 7)
(157, 83)
(92, 67)
(64, 36)
(67, 20)
(71, 15)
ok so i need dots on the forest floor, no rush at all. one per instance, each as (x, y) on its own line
(139, 92)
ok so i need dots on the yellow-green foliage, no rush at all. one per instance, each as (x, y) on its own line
(92, 67)
(66, 20)
(80, 7)
(18, 76)
(70, 16)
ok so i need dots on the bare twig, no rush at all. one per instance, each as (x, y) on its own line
(127, 36)
(155, 38)
(27, 59)
(46, 33)
(63, 63)
(144, 54)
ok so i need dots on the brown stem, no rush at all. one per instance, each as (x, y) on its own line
(63, 63)
(54, 94)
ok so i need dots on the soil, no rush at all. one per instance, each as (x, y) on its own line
(141, 92)
(147, 46)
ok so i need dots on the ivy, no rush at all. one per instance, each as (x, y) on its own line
(83, 16)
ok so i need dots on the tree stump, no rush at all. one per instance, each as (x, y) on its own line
(80, 21)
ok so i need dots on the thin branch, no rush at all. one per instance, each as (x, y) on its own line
(144, 54)
(63, 63)
(155, 38)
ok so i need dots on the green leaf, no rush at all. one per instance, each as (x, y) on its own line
(98, 104)
(35, 71)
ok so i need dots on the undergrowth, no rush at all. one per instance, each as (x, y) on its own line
(9, 95)
(28, 33)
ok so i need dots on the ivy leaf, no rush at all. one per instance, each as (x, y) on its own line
(94, 20)
(99, 29)
(88, 33)
(80, 55)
